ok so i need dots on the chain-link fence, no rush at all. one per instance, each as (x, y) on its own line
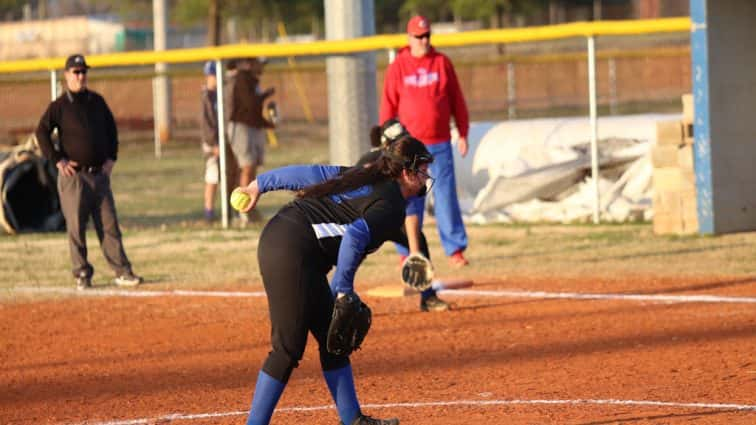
(517, 81)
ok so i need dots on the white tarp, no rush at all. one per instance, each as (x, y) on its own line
(539, 170)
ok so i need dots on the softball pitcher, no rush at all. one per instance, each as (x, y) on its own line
(340, 215)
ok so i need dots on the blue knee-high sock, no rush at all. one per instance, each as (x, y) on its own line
(341, 384)
(267, 392)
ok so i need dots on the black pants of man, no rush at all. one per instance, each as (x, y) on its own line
(294, 274)
(88, 194)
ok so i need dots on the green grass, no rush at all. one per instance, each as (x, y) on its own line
(167, 192)
(159, 204)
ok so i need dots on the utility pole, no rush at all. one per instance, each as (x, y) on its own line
(213, 23)
(352, 98)
(42, 9)
(597, 10)
(161, 84)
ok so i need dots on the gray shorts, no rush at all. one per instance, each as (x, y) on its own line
(247, 143)
(212, 170)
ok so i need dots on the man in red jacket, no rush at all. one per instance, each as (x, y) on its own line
(422, 91)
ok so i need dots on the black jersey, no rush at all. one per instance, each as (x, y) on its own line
(86, 128)
(348, 225)
(381, 206)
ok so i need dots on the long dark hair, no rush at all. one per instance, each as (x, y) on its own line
(375, 136)
(407, 153)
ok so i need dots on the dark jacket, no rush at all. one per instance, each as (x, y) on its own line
(209, 117)
(247, 99)
(86, 129)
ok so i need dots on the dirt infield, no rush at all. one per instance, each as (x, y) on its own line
(494, 359)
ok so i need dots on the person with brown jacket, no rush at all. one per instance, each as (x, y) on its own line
(247, 124)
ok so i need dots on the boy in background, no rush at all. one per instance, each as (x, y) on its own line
(209, 137)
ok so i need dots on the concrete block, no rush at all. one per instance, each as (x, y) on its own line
(688, 110)
(667, 224)
(667, 202)
(664, 156)
(685, 157)
(675, 212)
(689, 213)
(669, 179)
(689, 227)
(669, 133)
(688, 196)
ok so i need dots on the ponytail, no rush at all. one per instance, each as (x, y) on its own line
(406, 153)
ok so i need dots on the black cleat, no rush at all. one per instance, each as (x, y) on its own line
(367, 420)
(83, 283)
(434, 303)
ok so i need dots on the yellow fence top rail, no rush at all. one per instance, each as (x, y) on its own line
(364, 44)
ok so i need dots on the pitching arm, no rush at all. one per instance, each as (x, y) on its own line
(296, 177)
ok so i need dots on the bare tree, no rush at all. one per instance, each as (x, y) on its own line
(214, 23)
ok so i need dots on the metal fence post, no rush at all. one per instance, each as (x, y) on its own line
(161, 85)
(222, 142)
(511, 92)
(594, 127)
(53, 84)
(156, 127)
(612, 86)
(391, 55)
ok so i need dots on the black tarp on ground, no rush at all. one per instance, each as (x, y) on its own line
(28, 190)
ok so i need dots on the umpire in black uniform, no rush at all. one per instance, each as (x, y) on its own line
(85, 158)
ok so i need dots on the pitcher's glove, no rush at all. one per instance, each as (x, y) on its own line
(417, 272)
(350, 323)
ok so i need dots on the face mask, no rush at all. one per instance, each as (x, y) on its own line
(428, 183)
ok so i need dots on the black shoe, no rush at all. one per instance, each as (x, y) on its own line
(367, 420)
(128, 279)
(434, 303)
(83, 283)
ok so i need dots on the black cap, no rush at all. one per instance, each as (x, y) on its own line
(76, 61)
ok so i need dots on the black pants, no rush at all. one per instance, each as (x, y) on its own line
(294, 273)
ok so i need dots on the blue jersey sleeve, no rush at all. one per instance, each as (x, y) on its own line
(351, 253)
(296, 177)
(415, 205)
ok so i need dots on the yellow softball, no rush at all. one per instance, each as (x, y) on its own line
(239, 199)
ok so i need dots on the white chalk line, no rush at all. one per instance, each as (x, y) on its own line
(619, 297)
(137, 293)
(479, 403)
(662, 298)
